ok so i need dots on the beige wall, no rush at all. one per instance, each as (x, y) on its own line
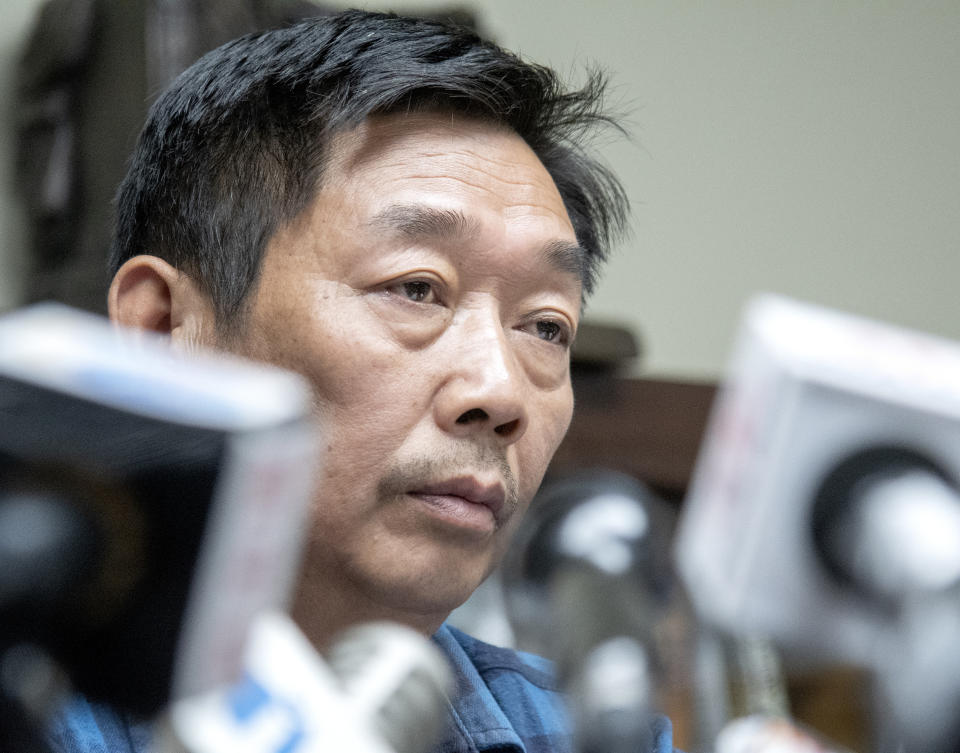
(810, 148)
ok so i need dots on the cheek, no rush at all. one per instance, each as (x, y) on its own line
(368, 404)
(366, 387)
(549, 419)
(558, 412)
(334, 346)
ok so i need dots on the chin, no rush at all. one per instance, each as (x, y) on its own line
(434, 591)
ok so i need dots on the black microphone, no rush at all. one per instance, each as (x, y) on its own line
(585, 580)
(151, 503)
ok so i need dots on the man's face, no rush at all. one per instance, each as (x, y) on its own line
(430, 295)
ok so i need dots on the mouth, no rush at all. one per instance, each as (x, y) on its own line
(466, 500)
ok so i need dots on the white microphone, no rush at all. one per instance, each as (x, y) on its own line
(824, 510)
(384, 689)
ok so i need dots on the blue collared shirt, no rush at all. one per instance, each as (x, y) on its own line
(507, 702)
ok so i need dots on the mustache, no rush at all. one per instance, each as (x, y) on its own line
(406, 475)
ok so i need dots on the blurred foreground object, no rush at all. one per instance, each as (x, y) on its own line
(384, 690)
(152, 503)
(761, 734)
(585, 581)
(824, 512)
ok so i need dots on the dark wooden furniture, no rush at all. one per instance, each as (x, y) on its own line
(648, 428)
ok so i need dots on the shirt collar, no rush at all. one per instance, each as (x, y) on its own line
(479, 723)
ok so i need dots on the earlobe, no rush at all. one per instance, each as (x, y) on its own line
(150, 294)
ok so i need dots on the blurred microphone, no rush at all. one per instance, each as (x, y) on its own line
(383, 689)
(886, 521)
(762, 734)
(584, 582)
(824, 511)
(151, 504)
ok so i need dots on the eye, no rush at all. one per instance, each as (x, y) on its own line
(552, 331)
(418, 291)
(548, 331)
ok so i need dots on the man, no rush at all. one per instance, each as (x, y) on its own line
(405, 215)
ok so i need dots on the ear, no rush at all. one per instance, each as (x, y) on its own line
(148, 293)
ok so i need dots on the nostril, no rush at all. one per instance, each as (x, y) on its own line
(480, 417)
(474, 414)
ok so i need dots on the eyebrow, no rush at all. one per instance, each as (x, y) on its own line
(416, 221)
(568, 257)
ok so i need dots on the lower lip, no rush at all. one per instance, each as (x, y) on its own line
(459, 511)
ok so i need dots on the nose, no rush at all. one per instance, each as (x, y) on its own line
(483, 390)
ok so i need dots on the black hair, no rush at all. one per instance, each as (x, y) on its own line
(234, 150)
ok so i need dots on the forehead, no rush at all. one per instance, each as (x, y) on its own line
(480, 169)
